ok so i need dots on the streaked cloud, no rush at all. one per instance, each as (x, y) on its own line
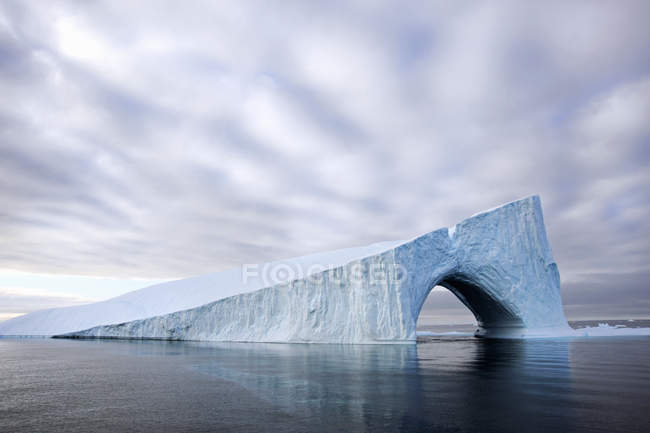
(160, 140)
(18, 301)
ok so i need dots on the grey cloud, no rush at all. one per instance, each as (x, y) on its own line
(15, 303)
(158, 141)
(606, 289)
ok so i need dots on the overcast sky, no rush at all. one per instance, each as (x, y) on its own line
(142, 141)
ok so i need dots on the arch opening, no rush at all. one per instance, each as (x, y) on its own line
(443, 311)
(487, 313)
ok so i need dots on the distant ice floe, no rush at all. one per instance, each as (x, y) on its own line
(444, 334)
(602, 330)
(606, 330)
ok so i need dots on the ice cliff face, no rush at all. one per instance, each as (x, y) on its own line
(499, 264)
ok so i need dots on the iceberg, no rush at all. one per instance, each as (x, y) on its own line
(174, 295)
(498, 263)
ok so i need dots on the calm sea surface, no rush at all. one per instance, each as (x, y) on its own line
(441, 384)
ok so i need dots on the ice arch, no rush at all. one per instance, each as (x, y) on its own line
(499, 263)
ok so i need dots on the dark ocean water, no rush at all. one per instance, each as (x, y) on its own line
(441, 384)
